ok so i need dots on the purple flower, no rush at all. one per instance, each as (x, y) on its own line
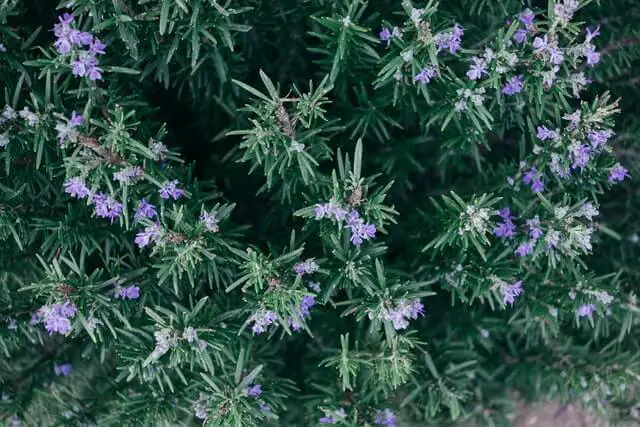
(507, 228)
(535, 232)
(618, 173)
(385, 417)
(520, 36)
(385, 35)
(591, 35)
(152, 233)
(524, 249)
(200, 410)
(307, 267)
(360, 231)
(106, 206)
(526, 17)
(83, 64)
(306, 303)
(556, 56)
(95, 73)
(97, 47)
(425, 75)
(540, 44)
(145, 210)
(514, 85)
(586, 310)
(321, 210)
(593, 57)
(599, 137)
(170, 190)
(477, 69)
(254, 390)
(130, 292)
(128, 174)
(327, 420)
(75, 187)
(264, 407)
(532, 177)
(510, 292)
(543, 133)
(63, 370)
(580, 156)
(76, 119)
(56, 317)
(449, 40)
(210, 222)
(261, 320)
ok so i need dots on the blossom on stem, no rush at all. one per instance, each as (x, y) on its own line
(152, 233)
(76, 187)
(511, 292)
(170, 190)
(145, 210)
(618, 173)
(385, 417)
(106, 206)
(513, 86)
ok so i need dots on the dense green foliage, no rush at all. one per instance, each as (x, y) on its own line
(329, 217)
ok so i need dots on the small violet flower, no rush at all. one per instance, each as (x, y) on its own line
(511, 292)
(262, 320)
(106, 206)
(618, 173)
(513, 86)
(76, 187)
(254, 390)
(533, 178)
(425, 75)
(507, 228)
(586, 310)
(385, 417)
(210, 222)
(145, 210)
(152, 233)
(129, 292)
(170, 190)
(307, 267)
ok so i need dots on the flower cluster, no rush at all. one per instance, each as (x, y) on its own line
(385, 417)
(106, 206)
(128, 174)
(262, 319)
(450, 40)
(525, 19)
(425, 75)
(500, 61)
(506, 229)
(210, 222)
(307, 267)
(400, 315)
(56, 317)
(514, 85)
(128, 292)
(302, 312)
(145, 210)
(170, 190)
(508, 291)
(152, 233)
(82, 47)
(533, 178)
(254, 390)
(586, 310)
(66, 129)
(360, 231)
